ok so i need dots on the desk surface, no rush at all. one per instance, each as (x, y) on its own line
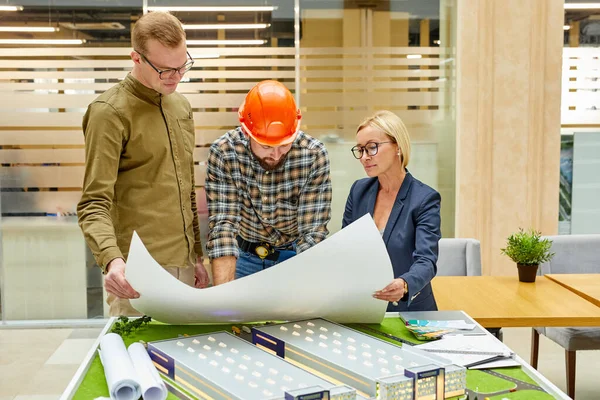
(584, 285)
(503, 301)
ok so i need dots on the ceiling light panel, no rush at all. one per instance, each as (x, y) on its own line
(28, 29)
(42, 41)
(11, 8)
(215, 9)
(225, 42)
(208, 27)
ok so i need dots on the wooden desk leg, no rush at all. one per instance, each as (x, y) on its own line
(570, 364)
(535, 346)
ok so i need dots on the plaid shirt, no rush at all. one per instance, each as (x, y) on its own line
(290, 204)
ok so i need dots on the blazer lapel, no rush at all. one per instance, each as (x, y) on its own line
(372, 196)
(397, 208)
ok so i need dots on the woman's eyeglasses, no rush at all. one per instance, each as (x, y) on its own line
(371, 148)
(170, 73)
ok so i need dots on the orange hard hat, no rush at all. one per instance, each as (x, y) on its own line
(269, 114)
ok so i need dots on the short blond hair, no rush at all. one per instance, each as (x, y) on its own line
(390, 124)
(160, 26)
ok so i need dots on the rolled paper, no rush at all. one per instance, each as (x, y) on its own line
(121, 377)
(151, 385)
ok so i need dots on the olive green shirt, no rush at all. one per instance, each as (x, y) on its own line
(139, 176)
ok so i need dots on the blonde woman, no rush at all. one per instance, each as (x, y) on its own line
(406, 211)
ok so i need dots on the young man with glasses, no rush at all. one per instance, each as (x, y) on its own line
(139, 169)
(267, 186)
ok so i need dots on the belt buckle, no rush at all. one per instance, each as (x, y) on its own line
(263, 250)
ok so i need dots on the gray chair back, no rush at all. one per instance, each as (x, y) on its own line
(574, 254)
(459, 257)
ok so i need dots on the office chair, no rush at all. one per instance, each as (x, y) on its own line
(574, 254)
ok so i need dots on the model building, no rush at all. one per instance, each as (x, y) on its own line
(374, 367)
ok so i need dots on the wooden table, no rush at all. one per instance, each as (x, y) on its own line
(503, 301)
(584, 285)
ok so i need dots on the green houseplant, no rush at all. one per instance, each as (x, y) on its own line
(528, 250)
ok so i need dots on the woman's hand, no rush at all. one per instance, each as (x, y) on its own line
(392, 292)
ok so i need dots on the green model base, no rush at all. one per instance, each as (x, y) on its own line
(493, 384)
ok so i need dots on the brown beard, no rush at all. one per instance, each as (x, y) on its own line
(265, 165)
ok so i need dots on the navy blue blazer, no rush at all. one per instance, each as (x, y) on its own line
(411, 235)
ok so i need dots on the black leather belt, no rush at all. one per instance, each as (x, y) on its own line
(264, 251)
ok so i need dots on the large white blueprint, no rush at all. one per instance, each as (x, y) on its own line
(334, 279)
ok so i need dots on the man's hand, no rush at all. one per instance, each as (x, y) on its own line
(115, 282)
(223, 269)
(392, 292)
(201, 276)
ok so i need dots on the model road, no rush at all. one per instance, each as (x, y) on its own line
(521, 385)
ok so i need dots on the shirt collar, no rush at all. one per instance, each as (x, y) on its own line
(245, 140)
(141, 91)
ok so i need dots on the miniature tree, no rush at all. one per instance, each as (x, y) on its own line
(124, 327)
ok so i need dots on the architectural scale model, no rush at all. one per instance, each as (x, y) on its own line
(374, 367)
(223, 366)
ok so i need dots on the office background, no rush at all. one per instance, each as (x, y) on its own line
(500, 99)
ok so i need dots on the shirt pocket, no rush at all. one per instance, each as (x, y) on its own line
(286, 213)
(188, 132)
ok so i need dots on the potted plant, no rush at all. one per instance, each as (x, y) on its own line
(528, 250)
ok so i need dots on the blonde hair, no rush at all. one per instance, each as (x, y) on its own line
(390, 124)
(160, 26)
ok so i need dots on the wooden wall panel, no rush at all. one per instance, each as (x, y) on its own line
(508, 122)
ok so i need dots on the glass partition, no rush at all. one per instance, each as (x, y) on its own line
(394, 55)
(343, 60)
(55, 58)
(580, 120)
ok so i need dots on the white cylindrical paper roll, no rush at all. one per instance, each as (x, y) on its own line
(151, 384)
(122, 380)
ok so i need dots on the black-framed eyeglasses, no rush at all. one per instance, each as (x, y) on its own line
(170, 72)
(372, 148)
